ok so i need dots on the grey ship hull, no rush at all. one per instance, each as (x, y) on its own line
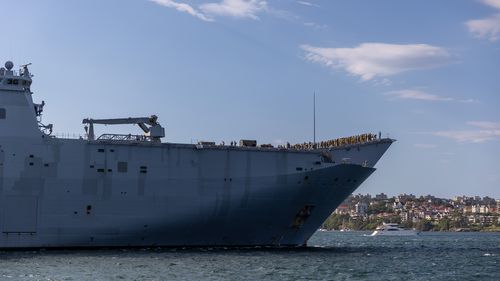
(78, 193)
(86, 193)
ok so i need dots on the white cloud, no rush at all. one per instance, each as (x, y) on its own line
(475, 136)
(370, 60)
(469, 101)
(235, 8)
(485, 28)
(182, 7)
(492, 3)
(416, 95)
(305, 3)
(230, 8)
(489, 27)
(485, 131)
(315, 25)
(485, 124)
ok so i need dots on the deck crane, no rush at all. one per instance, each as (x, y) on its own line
(152, 129)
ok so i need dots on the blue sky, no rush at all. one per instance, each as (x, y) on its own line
(423, 72)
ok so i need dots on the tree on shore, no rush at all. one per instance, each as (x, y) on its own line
(424, 225)
(336, 221)
(444, 225)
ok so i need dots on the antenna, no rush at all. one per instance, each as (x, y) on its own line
(314, 119)
(10, 51)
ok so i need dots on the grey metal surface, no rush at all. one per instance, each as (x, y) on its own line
(78, 193)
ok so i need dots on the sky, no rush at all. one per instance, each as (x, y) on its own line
(426, 73)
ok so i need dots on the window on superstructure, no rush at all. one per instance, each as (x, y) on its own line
(2, 113)
(16, 82)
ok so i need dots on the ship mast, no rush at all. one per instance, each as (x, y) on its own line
(314, 119)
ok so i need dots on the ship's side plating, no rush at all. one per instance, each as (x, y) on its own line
(72, 193)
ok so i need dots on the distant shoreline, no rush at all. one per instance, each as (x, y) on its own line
(426, 231)
(423, 213)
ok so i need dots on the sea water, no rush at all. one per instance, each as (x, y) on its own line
(330, 256)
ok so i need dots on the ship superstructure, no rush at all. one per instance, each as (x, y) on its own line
(128, 190)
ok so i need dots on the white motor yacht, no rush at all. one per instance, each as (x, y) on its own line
(393, 229)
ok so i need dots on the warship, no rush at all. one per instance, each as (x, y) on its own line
(124, 190)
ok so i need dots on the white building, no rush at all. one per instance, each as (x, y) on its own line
(361, 208)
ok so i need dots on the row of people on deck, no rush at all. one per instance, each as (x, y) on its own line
(358, 139)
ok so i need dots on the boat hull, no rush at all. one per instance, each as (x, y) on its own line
(71, 193)
(395, 233)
